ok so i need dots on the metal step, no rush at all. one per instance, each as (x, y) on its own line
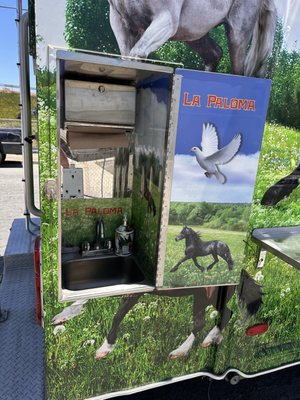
(19, 249)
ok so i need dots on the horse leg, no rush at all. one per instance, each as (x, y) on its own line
(239, 31)
(162, 28)
(123, 36)
(175, 268)
(198, 265)
(109, 343)
(209, 51)
(214, 262)
(228, 259)
(215, 335)
(74, 310)
(199, 305)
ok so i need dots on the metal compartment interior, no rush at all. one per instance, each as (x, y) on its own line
(114, 113)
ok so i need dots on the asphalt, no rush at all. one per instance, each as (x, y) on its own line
(12, 194)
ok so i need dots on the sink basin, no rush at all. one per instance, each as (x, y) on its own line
(88, 273)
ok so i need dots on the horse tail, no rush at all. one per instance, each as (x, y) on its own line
(249, 294)
(262, 40)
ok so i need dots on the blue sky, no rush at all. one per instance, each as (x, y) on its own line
(189, 182)
(9, 72)
(227, 122)
(8, 44)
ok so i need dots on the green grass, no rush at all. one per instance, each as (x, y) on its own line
(281, 283)
(9, 104)
(147, 335)
(279, 156)
(158, 325)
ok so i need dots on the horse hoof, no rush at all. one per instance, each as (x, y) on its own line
(101, 355)
(58, 321)
(206, 344)
(213, 337)
(104, 350)
(174, 355)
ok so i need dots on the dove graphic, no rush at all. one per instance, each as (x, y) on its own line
(209, 156)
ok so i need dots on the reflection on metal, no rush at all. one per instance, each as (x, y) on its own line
(51, 189)
(81, 136)
(283, 242)
(168, 178)
(99, 102)
(72, 183)
(26, 115)
(261, 258)
(113, 67)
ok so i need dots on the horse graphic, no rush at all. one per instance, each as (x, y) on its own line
(150, 201)
(282, 189)
(142, 26)
(195, 247)
(249, 295)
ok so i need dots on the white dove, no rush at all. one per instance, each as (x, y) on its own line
(209, 156)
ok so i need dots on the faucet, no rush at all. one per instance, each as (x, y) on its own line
(100, 235)
(101, 247)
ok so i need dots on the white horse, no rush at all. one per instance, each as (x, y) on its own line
(142, 26)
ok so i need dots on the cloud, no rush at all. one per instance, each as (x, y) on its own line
(190, 184)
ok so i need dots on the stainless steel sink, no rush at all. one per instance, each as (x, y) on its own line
(87, 273)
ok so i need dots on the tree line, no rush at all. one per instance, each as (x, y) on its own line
(231, 216)
(88, 27)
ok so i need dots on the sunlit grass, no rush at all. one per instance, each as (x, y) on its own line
(157, 325)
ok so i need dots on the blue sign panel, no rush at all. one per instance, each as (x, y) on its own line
(220, 127)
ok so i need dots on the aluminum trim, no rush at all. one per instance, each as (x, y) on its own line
(174, 113)
(190, 376)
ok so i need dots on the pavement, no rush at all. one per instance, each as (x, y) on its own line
(12, 194)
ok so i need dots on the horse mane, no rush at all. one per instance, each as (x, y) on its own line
(196, 235)
(250, 294)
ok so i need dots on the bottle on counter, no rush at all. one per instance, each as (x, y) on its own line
(124, 238)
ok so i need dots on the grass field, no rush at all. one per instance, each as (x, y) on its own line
(157, 325)
(10, 112)
(281, 283)
(10, 104)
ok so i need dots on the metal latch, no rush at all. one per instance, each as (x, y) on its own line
(51, 189)
(261, 258)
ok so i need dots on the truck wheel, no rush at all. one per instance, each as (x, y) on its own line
(2, 157)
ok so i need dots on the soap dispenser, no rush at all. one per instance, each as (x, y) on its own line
(124, 238)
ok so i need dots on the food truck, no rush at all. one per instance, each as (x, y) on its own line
(169, 166)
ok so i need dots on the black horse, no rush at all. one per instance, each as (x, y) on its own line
(195, 247)
(283, 188)
(147, 195)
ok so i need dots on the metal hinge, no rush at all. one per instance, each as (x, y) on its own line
(261, 258)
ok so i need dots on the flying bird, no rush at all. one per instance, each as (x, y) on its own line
(209, 156)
